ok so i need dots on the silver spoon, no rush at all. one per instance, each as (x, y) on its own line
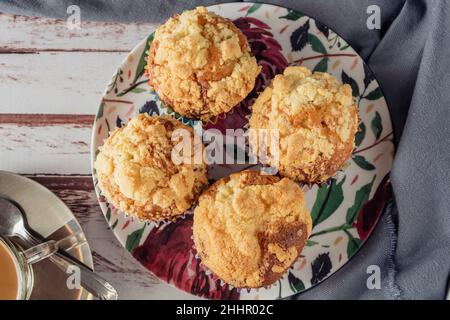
(13, 223)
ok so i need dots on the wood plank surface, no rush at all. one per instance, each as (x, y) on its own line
(55, 82)
(58, 144)
(51, 82)
(43, 120)
(46, 66)
(22, 34)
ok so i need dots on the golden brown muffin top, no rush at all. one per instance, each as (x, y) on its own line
(317, 120)
(200, 64)
(136, 173)
(249, 228)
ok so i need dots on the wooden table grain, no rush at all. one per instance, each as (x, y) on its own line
(51, 80)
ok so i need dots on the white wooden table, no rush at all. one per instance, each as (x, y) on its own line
(51, 80)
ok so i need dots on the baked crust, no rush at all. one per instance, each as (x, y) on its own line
(200, 64)
(317, 121)
(250, 228)
(136, 173)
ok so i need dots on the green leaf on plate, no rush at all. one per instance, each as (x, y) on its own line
(352, 245)
(361, 197)
(114, 224)
(133, 88)
(292, 15)
(376, 125)
(143, 58)
(349, 80)
(316, 44)
(134, 239)
(328, 199)
(310, 243)
(361, 134)
(322, 193)
(344, 47)
(375, 94)
(101, 108)
(253, 8)
(322, 66)
(138, 90)
(108, 214)
(363, 163)
(295, 283)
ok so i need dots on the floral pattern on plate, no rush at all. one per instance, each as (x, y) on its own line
(345, 209)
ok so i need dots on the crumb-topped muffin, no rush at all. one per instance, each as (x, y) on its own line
(136, 173)
(200, 64)
(250, 228)
(317, 120)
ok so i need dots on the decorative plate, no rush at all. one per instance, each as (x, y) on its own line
(345, 210)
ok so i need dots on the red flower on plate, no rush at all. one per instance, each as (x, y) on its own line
(268, 53)
(371, 211)
(168, 253)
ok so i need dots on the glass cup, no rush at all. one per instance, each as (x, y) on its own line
(16, 273)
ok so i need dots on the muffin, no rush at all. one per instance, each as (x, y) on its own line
(316, 118)
(250, 228)
(200, 64)
(136, 173)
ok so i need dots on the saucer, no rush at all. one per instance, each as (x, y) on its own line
(52, 219)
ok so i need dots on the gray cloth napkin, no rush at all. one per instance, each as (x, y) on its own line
(410, 56)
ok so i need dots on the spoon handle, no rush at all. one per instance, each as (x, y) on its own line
(89, 280)
(93, 283)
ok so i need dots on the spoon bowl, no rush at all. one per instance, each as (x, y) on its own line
(11, 219)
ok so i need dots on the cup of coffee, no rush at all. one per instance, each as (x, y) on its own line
(16, 273)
